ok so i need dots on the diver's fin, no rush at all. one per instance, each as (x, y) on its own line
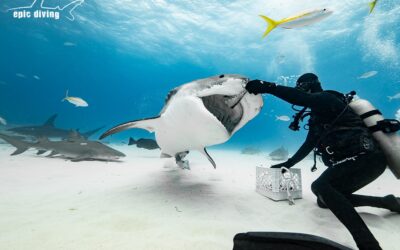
(271, 24)
(50, 121)
(20, 145)
(89, 133)
(204, 152)
(41, 151)
(131, 141)
(149, 124)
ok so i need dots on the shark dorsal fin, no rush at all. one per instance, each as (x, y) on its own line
(50, 121)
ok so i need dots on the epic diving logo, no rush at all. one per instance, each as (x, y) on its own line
(37, 11)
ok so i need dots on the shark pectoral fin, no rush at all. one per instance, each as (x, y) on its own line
(271, 25)
(149, 124)
(205, 153)
(19, 151)
(164, 155)
(53, 153)
(41, 152)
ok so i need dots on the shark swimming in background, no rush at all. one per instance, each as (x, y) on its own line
(297, 21)
(74, 148)
(199, 114)
(49, 130)
(280, 154)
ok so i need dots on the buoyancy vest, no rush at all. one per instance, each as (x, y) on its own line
(340, 132)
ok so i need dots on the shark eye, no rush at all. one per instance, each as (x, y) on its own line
(221, 76)
(324, 9)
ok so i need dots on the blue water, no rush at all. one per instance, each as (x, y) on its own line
(123, 57)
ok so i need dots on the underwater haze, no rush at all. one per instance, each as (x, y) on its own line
(122, 57)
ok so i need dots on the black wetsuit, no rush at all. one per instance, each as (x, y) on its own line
(347, 173)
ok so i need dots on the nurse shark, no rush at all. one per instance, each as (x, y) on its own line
(198, 114)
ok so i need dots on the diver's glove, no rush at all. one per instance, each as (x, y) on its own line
(259, 87)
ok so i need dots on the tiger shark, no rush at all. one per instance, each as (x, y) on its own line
(75, 148)
(199, 114)
(49, 130)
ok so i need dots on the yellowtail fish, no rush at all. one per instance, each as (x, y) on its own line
(77, 101)
(3, 121)
(297, 21)
(372, 6)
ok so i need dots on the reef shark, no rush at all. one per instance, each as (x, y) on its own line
(48, 130)
(198, 114)
(280, 154)
(75, 148)
(37, 5)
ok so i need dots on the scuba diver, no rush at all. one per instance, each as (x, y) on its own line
(346, 146)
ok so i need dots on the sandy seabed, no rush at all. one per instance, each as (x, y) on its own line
(145, 202)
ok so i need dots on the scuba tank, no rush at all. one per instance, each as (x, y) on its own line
(383, 130)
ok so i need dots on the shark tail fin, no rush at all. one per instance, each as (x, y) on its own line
(205, 153)
(271, 25)
(131, 141)
(50, 121)
(20, 145)
(149, 124)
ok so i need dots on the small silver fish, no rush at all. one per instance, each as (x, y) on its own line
(36, 77)
(368, 74)
(283, 118)
(69, 44)
(20, 75)
(396, 96)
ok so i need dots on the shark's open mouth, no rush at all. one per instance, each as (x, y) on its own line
(227, 109)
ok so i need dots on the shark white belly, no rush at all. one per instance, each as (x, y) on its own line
(187, 125)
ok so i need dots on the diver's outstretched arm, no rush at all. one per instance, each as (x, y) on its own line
(303, 151)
